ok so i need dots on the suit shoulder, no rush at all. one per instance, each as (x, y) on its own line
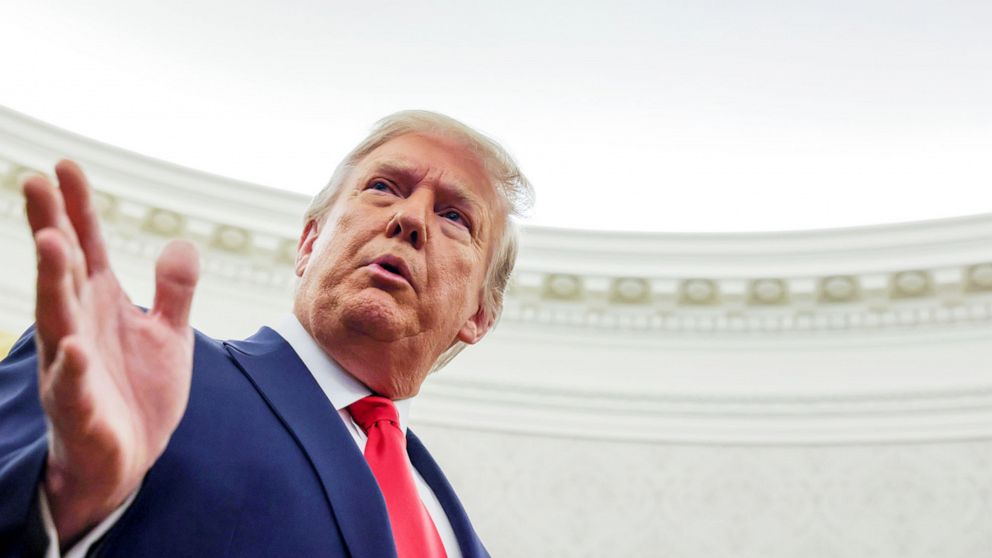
(202, 341)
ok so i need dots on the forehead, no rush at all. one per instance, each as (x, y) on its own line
(449, 162)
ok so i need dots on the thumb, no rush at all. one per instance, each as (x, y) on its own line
(176, 272)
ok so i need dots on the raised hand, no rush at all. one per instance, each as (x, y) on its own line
(114, 380)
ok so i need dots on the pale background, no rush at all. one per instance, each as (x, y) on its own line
(688, 394)
(820, 394)
(714, 115)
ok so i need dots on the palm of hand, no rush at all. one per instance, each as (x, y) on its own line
(127, 395)
(114, 380)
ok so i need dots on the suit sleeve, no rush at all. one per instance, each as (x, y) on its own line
(23, 451)
(85, 546)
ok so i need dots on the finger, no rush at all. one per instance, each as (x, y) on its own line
(46, 209)
(68, 402)
(42, 205)
(56, 304)
(176, 273)
(79, 206)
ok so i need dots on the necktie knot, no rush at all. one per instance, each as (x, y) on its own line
(372, 409)
(385, 451)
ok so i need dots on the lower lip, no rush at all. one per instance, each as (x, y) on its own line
(384, 274)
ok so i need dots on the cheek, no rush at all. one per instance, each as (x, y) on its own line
(331, 263)
(350, 230)
(348, 217)
(460, 282)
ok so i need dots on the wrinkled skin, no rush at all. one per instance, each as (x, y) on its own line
(423, 200)
(114, 380)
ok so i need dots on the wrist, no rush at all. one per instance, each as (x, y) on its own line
(77, 505)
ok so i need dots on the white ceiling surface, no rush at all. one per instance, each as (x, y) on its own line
(674, 116)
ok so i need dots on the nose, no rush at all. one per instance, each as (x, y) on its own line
(410, 221)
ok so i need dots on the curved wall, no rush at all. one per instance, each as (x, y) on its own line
(824, 393)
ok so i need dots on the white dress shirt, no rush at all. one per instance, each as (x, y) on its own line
(341, 390)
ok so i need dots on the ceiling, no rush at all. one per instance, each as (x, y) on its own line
(660, 116)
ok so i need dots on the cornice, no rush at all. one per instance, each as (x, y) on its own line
(649, 310)
(824, 419)
(913, 275)
(126, 178)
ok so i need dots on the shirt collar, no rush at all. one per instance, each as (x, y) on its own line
(340, 387)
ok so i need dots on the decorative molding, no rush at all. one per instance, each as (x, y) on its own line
(640, 300)
(815, 394)
(908, 275)
(756, 419)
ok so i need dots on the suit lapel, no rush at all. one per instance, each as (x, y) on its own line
(468, 540)
(295, 397)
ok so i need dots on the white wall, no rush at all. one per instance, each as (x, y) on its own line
(806, 394)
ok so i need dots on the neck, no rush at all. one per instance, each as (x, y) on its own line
(393, 369)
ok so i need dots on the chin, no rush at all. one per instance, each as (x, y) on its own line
(375, 313)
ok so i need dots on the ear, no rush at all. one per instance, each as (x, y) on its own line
(304, 249)
(476, 327)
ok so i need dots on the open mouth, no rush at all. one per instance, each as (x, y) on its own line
(392, 267)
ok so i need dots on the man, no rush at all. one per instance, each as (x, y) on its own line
(151, 440)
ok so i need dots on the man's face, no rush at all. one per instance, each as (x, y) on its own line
(403, 253)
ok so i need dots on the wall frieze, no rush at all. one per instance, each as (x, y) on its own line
(911, 275)
(898, 298)
(615, 289)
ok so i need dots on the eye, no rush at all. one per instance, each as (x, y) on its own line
(457, 218)
(453, 215)
(381, 186)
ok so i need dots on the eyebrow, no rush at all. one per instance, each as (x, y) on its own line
(396, 169)
(460, 193)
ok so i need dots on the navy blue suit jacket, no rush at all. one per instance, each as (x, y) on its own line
(260, 465)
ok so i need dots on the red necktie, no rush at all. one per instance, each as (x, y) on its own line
(414, 532)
